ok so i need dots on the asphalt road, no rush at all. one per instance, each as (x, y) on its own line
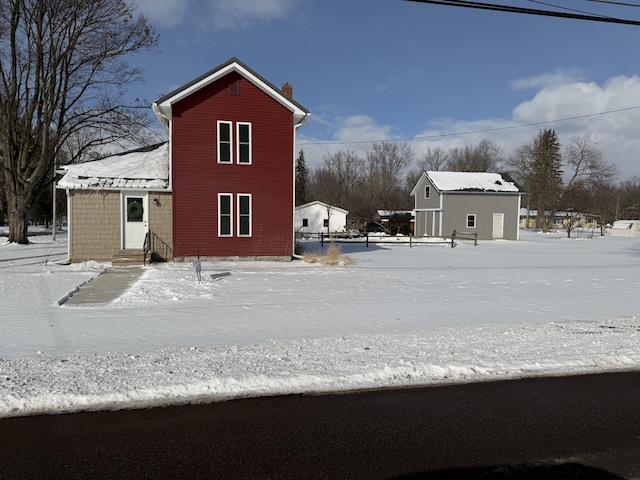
(585, 427)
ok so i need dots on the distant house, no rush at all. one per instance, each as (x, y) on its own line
(625, 228)
(317, 217)
(476, 202)
(223, 186)
(383, 216)
(529, 219)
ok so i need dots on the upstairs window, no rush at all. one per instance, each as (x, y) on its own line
(471, 220)
(244, 215)
(427, 191)
(224, 142)
(225, 213)
(244, 142)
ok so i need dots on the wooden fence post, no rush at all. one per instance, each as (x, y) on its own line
(453, 237)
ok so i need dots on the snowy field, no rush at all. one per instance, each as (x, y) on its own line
(397, 316)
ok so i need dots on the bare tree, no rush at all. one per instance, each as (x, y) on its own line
(604, 202)
(628, 204)
(384, 176)
(337, 180)
(433, 159)
(63, 71)
(586, 170)
(519, 165)
(584, 163)
(484, 157)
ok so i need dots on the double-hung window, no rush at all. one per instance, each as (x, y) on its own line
(244, 215)
(225, 142)
(471, 220)
(244, 142)
(225, 214)
(236, 149)
(427, 191)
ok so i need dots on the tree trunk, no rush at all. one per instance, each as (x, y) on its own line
(543, 216)
(18, 219)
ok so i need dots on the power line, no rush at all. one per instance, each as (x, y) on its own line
(561, 7)
(529, 11)
(472, 132)
(611, 2)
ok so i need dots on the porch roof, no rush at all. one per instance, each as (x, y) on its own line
(144, 168)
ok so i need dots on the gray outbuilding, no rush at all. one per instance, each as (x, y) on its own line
(486, 204)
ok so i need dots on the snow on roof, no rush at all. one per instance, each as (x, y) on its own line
(388, 213)
(323, 205)
(144, 168)
(624, 224)
(473, 181)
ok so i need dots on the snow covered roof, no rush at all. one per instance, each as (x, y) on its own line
(163, 106)
(388, 213)
(144, 168)
(624, 224)
(471, 182)
(323, 205)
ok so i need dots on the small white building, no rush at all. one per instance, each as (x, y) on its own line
(315, 217)
(625, 228)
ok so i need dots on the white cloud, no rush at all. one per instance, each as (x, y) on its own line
(361, 128)
(164, 13)
(221, 14)
(356, 133)
(610, 111)
(558, 77)
(240, 14)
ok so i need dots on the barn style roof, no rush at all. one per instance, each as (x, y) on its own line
(143, 168)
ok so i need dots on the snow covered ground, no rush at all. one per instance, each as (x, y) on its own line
(429, 314)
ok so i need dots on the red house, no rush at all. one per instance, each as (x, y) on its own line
(232, 156)
(222, 187)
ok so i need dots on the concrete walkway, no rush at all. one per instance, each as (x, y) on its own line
(104, 288)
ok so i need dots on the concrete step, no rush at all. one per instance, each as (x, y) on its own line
(128, 257)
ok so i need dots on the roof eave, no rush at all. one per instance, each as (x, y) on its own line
(163, 106)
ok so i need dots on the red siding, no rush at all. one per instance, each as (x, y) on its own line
(198, 178)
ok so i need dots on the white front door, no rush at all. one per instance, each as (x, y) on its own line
(135, 220)
(498, 225)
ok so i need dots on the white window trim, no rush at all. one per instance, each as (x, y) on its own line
(475, 220)
(238, 197)
(230, 234)
(427, 191)
(238, 125)
(230, 124)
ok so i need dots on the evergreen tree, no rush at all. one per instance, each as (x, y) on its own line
(546, 175)
(301, 179)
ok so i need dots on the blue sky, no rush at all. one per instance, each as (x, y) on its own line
(428, 74)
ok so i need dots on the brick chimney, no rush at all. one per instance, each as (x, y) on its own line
(287, 90)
